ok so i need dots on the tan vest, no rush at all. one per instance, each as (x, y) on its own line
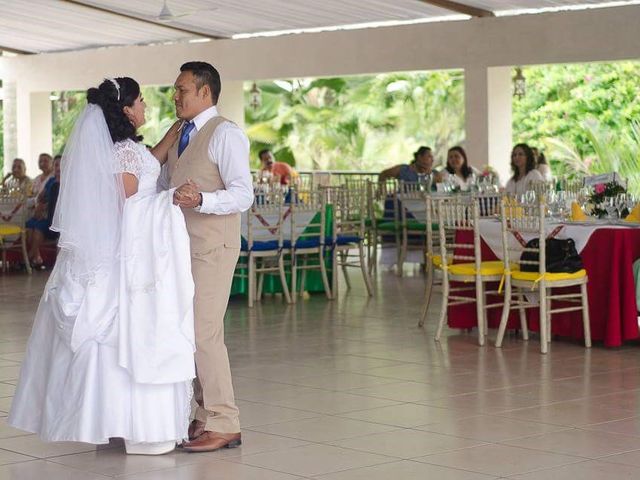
(207, 231)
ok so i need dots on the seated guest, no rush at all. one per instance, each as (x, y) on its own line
(45, 164)
(458, 171)
(523, 165)
(542, 165)
(38, 227)
(278, 171)
(421, 166)
(17, 179)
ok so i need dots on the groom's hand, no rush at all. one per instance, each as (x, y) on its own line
(187, 195)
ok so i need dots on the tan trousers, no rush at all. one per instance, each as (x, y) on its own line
(213, 390)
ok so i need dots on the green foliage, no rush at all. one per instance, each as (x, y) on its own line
(357, 123)
(586, 117)
(160, 114)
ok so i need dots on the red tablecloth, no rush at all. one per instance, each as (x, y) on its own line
(608, 258)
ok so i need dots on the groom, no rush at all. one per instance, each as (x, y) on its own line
(210, 163)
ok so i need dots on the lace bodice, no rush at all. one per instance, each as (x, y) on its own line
(136, 159)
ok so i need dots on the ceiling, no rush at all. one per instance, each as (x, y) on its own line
(40, 26)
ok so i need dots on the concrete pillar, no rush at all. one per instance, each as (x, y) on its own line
(9, 112)
(488, 97)
(231, 104)
(33, 127)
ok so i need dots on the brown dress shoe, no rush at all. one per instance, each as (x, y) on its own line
(210, 441)
(196, 428)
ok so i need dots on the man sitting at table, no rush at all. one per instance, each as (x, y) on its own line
(279, 171)
(17, 180)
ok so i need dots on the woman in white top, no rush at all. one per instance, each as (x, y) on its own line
(523, 164)
(458, 172)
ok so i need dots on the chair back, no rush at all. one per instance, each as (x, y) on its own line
(489, 204)
(349, 212)
(265, 220)
(521, 221)
(458, 214)
(307, 211)
(411, 204)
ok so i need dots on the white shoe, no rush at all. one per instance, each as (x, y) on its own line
(155, 448)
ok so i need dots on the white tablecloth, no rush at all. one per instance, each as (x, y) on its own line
(580, 232)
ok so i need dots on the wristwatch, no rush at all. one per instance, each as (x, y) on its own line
(200, 202)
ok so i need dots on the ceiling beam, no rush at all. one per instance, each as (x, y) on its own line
(197, 33)
(15, 50)
(460, 8)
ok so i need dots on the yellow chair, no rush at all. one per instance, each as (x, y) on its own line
(462, 262)
(528, 220)
(13, 235)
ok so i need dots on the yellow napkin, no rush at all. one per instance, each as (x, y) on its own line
(577, 214)
(634, 215)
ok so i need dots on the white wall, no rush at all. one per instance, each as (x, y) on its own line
(475, 45)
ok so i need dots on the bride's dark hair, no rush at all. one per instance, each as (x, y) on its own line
(106, 97)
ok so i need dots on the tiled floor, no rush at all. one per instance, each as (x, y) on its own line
(353, 390)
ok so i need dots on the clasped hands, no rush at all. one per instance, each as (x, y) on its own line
(187, 195)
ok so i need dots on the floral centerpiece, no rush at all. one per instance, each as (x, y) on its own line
(601, 192)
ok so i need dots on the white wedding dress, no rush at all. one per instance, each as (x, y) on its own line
(113, 357)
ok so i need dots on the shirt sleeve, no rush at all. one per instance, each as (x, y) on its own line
(229, 148)
(129, 159)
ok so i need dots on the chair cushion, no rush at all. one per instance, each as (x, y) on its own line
(260, 246)
(10, 229)
(548, 277)
(486, 268)
(343, 240)
(387, 226)
(303, 243)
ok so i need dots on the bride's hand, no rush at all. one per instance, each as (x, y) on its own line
(174, 130)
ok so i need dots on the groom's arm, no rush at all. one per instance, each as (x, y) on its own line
(229, 149)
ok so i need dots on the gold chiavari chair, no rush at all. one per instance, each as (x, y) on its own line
(13, 234)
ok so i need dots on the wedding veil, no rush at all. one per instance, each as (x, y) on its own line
(88, 214)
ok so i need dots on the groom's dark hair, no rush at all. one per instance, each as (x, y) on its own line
(204, 73)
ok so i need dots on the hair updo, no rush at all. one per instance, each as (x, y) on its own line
(106, 97)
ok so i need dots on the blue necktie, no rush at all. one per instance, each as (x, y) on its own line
(184, 137)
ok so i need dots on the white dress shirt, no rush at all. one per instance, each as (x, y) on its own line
(229, 150)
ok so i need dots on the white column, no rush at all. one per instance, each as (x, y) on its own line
(33, 127)
(231, 104)
(488, 97)
(9, 112)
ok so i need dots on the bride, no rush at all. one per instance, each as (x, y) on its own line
(111, 350)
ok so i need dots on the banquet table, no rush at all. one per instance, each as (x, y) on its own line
(608, 252)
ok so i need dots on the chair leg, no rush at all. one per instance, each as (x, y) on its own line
(427, 294)
(260, 285)
(522, 313)
(544, 343)
(344, 258)
(506, 308)
(402, 252)
(480, 311)
(323, 272)
(252, 280)
(294, 276)
(283, 278)
(25, 255)
(303, 277)
(585, 315)
(364, 269)
(549, 318)
(443, 306)
(373, 260)
(333, 254)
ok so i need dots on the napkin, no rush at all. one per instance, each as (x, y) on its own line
(634, 215)
(577, 214)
